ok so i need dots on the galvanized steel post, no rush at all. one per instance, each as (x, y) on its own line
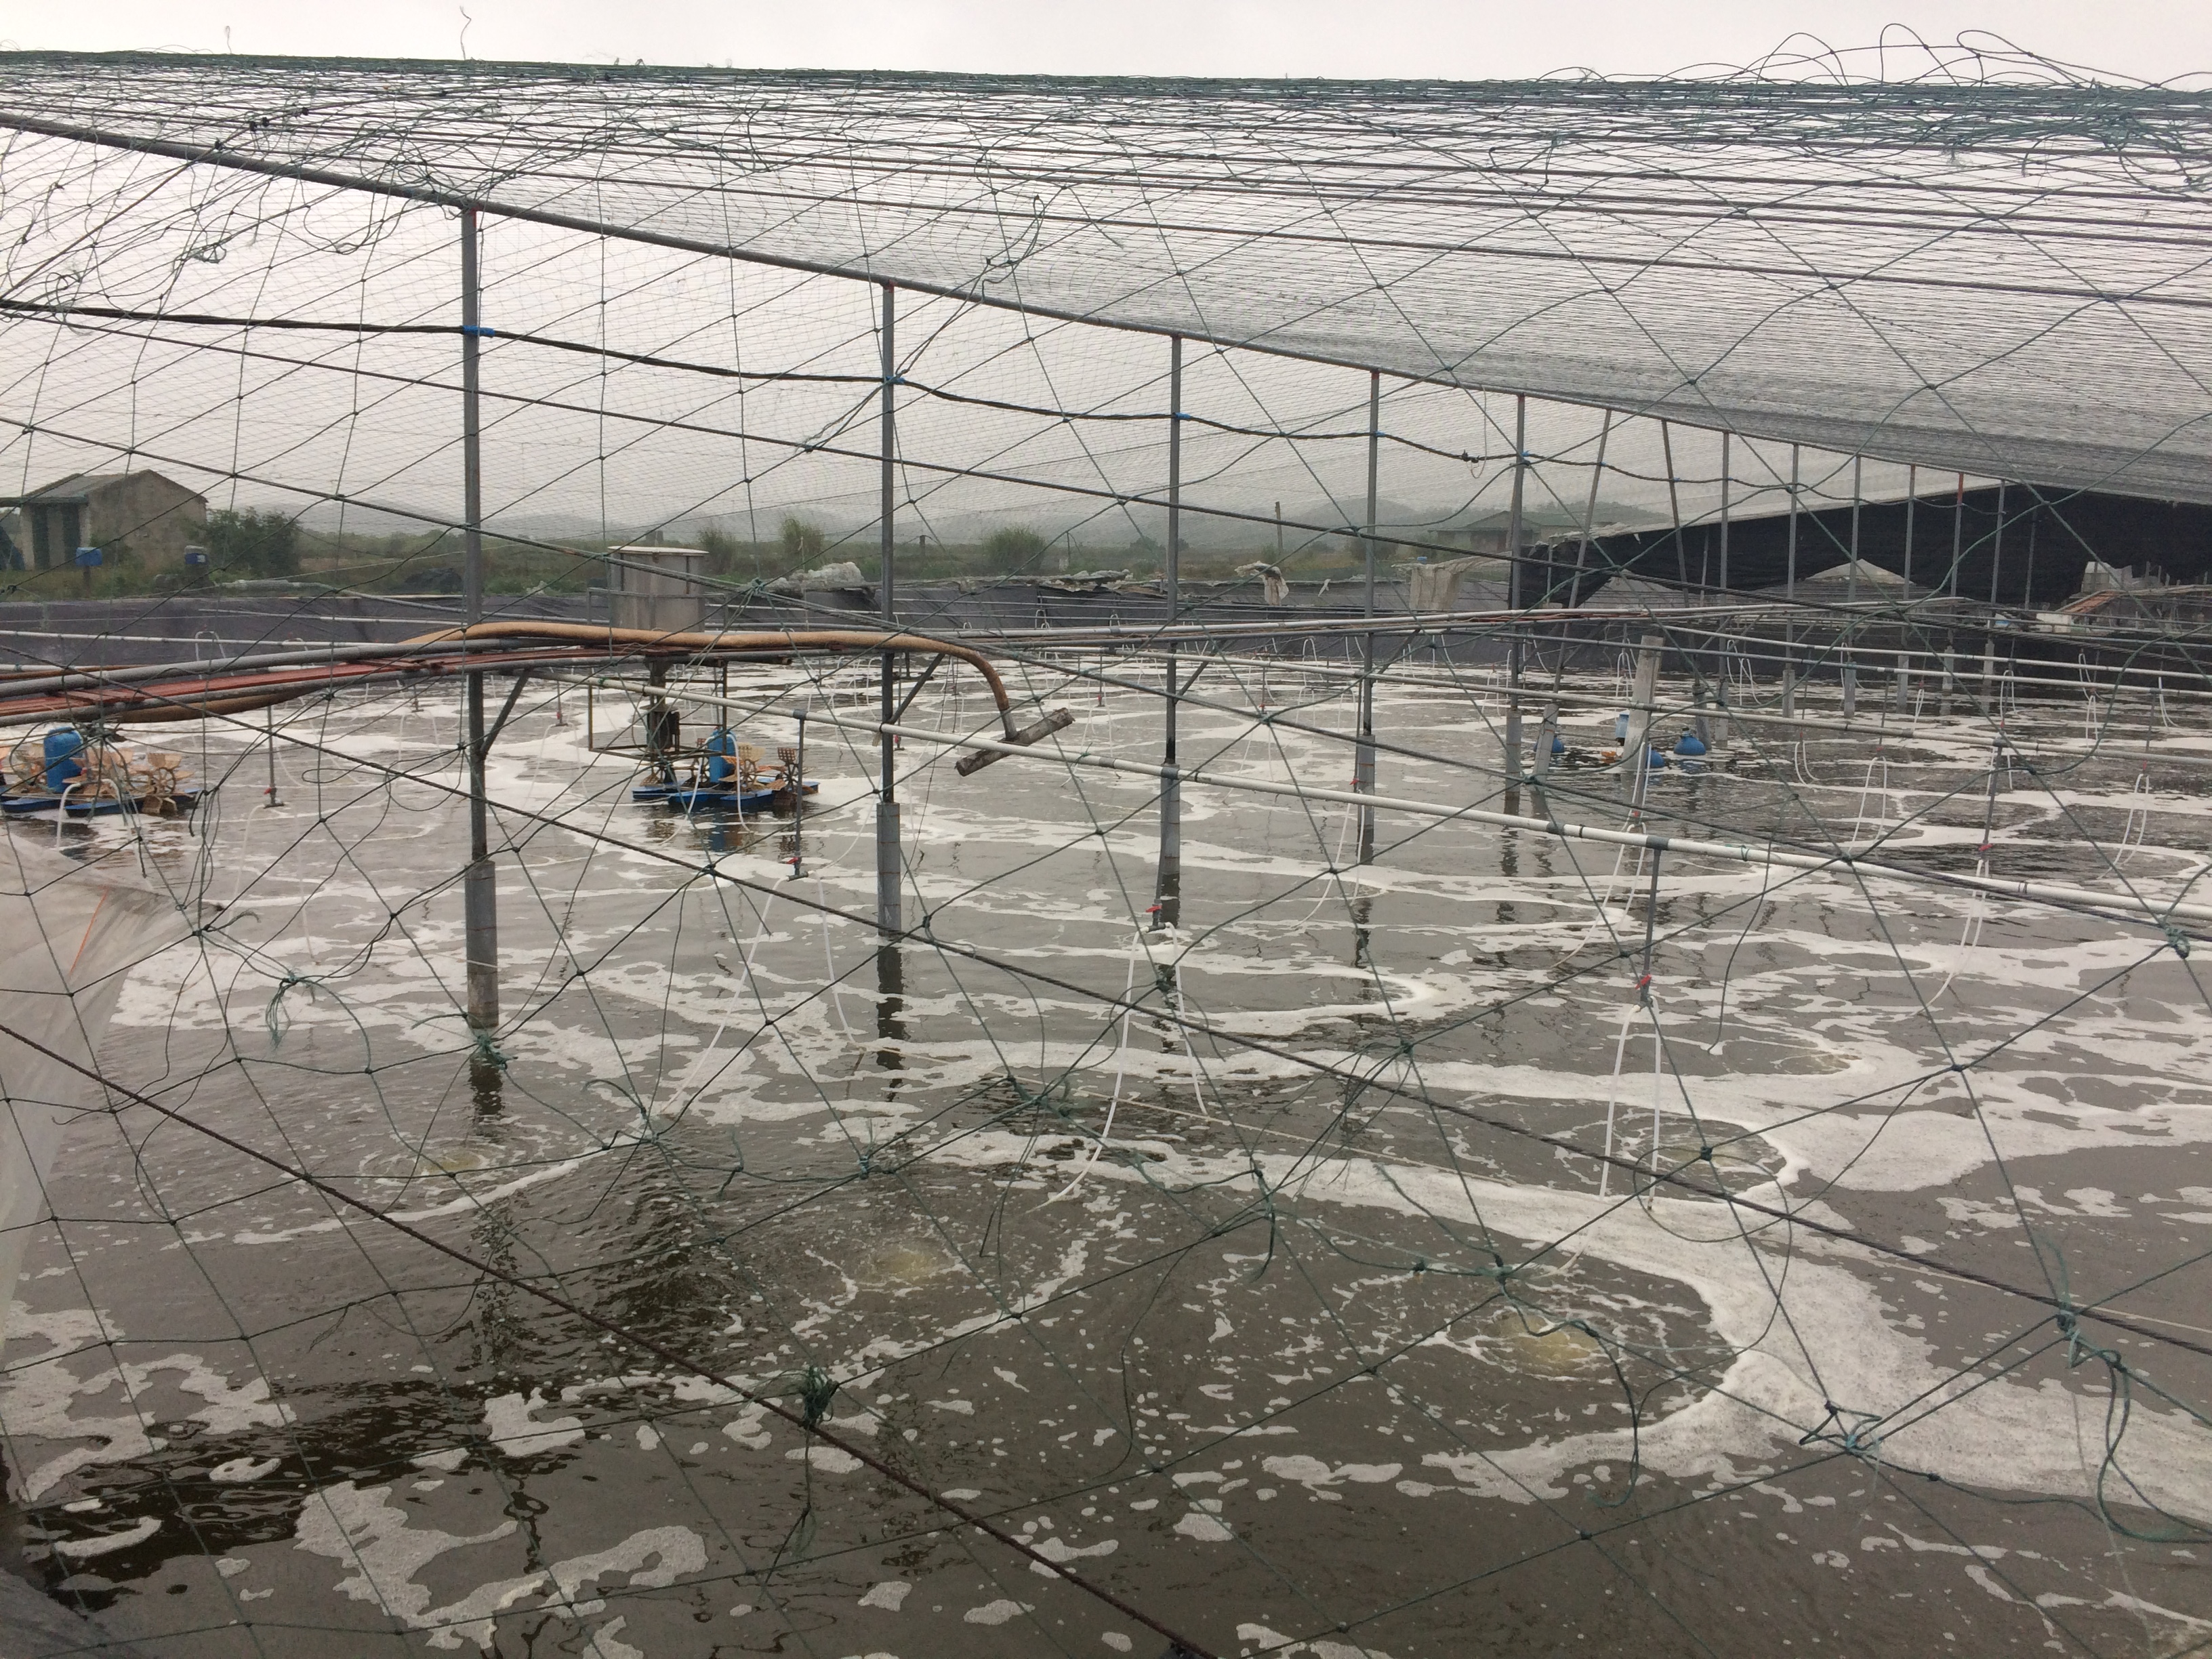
(887, 871)
(1167, 896)
(479, 888)
(1515, 759)
(1362, 750)
(1789, 601)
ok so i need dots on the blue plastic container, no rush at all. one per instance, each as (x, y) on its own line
(1656, 759)
(62, 747)
(1621, 727)
(1688, 744)
(720, 747)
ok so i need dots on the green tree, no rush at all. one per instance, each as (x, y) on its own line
(801, 540)
(254, 542)
(1014, 546)
(722, 550)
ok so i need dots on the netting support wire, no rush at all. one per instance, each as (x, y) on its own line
(888, 920)
(1516, 645)
(480, 891)
(1363, 752)
(1167, 897)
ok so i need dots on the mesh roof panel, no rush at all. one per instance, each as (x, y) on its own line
(2005, 279)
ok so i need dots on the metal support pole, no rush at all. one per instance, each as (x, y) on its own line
(1675, 510)
(480, 886)
(796, 781)
(1167, 897)
(1911, 501)
(1996, 545)
(1517, 647)
(1850, 600)
(1547, 735)
(1718, 733)
(1957, 533)
(1789, 601)
(1642, 704)
(888, 919)
(1724, 511)
(268, 795)
(1363, 752)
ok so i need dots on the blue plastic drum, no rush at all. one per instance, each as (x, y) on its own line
(62, 747)
(720, 747)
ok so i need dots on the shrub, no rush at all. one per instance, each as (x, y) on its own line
(1014, 546)
(801, 540)
(252, 542)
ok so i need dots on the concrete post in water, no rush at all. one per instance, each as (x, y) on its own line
(1950, 680)
(479, 888)
(888, 919)
(1363, 753)
(1167, 897)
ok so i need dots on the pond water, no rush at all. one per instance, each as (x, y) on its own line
(1264, 1274)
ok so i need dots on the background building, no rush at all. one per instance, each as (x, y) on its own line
(142, 514)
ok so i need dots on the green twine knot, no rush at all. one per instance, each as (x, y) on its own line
(817, 1388)
(274, 1015)
(488, 1051)
(2178, 940)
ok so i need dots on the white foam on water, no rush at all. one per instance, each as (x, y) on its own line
(359, 1526)
(511, 1423)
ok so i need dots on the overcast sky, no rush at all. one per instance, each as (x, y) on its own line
(1471, 40)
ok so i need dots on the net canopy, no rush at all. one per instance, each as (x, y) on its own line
(2005, 278)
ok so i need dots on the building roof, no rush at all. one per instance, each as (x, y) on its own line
(80, 486)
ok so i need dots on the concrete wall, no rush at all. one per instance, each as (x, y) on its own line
(147, 513)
